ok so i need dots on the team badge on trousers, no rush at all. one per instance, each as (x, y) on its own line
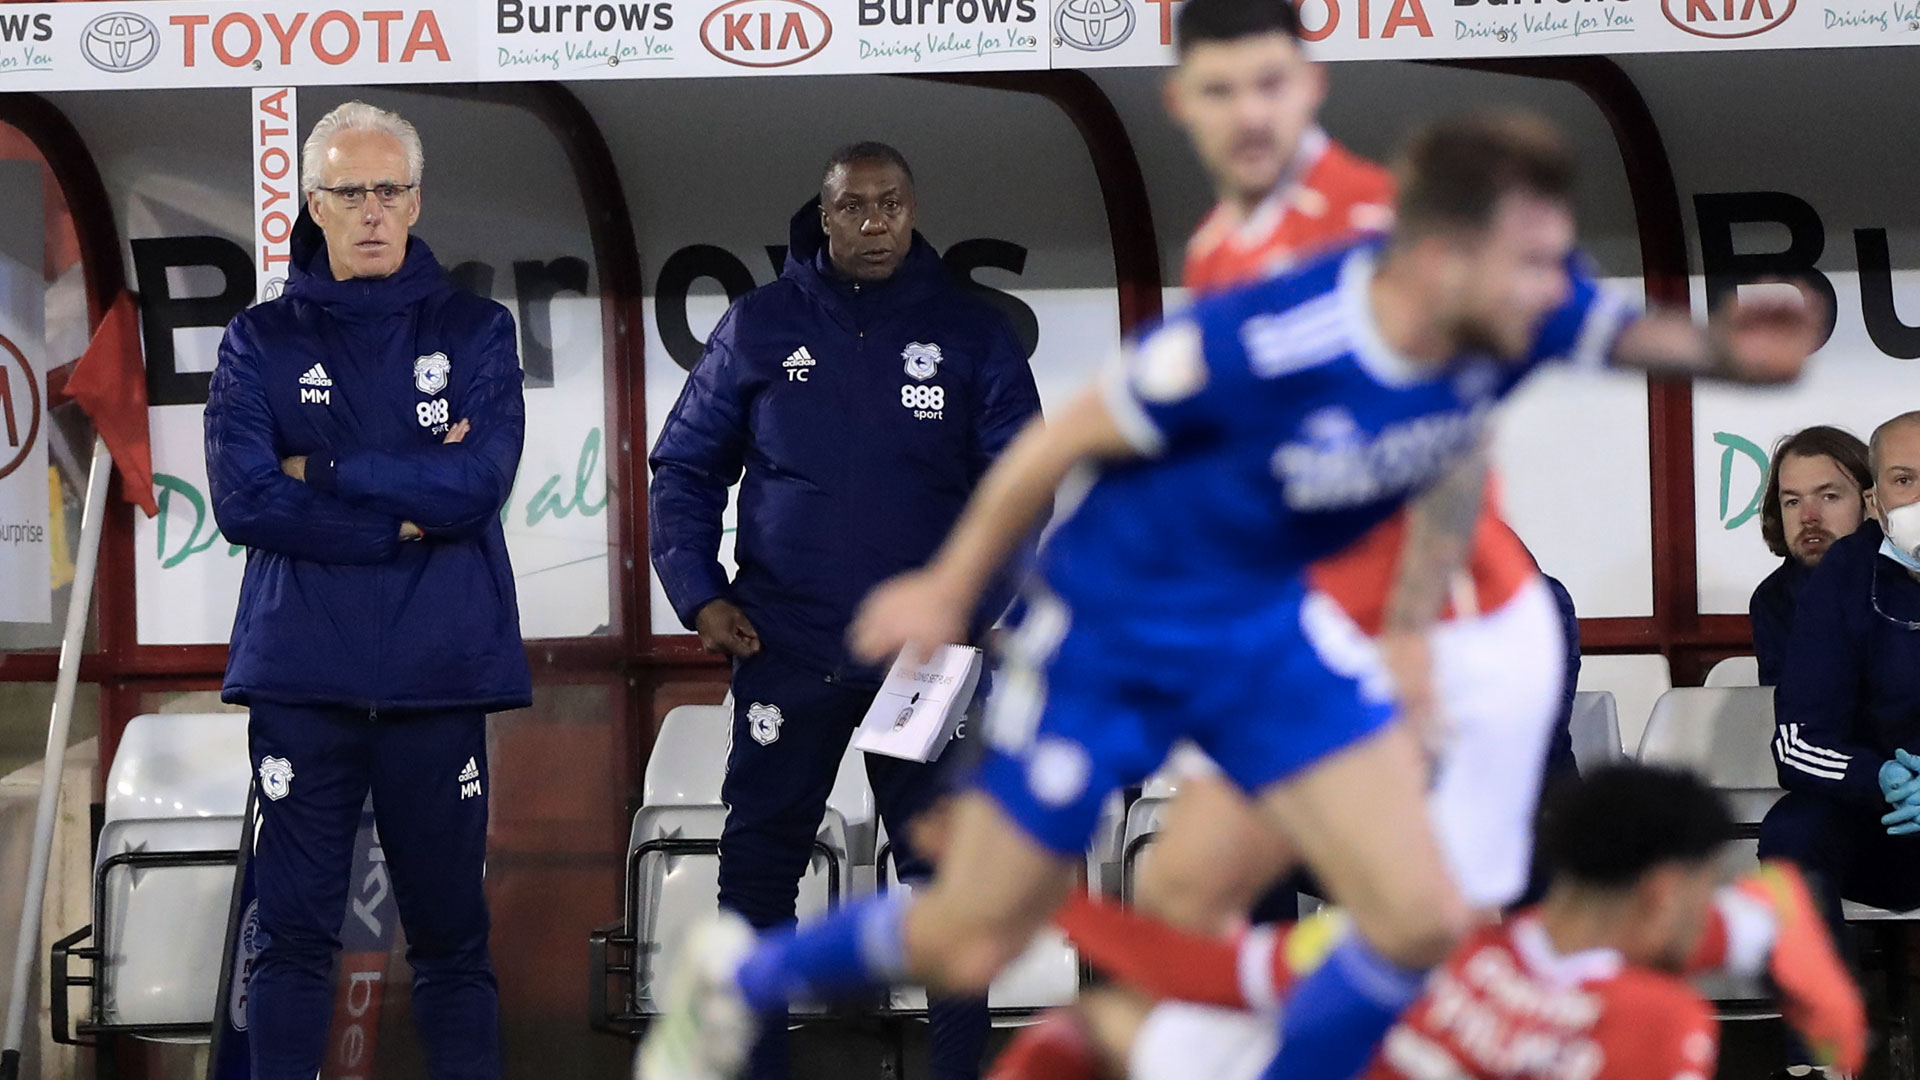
(763, 723)
(276, 777)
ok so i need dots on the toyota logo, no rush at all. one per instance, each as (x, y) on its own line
(1093, 25)
(120, 42)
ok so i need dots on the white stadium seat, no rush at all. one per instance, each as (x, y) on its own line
(1735, 671)
(852, 799)
(673, 851)
(1109, 837)
(689, 757)
(1143, 818)
(1636, 681)
(1595, 726)
(1725, 734)
(163, 876)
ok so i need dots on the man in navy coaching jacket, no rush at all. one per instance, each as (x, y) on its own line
(362, 435)
(1847, 710)
(862, 395)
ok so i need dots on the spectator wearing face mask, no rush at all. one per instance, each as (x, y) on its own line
(1816, 488)
(1847, 710)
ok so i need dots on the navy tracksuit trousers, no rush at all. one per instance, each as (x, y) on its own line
(1845, 853)
(790, 730)
(427, 772)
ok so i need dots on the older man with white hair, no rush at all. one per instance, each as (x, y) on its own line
(363, 431)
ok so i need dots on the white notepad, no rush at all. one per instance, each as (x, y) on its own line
(919, 706)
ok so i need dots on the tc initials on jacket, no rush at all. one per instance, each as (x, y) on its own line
(925, 401)
(798, 364)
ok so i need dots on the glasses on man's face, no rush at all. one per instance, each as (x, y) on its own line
(354, 196)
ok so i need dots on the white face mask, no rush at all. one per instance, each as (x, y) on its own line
(1902, 544)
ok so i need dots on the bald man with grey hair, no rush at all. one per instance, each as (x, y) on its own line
(1847, 709)
(1904, 422)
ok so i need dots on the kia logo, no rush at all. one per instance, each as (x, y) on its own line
(1726, 18)
(766, 33)
(120, 42)
(19, 408)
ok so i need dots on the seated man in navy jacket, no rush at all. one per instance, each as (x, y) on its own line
(862, 395)
(1815, 495)
(1847, 710)
(363, 431)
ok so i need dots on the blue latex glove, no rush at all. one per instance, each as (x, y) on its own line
(1906, 790)
(1904, 794)
(1903, 821)
(1894, 774)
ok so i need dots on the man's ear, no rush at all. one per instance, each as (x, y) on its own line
(1170, 97)
(1318, 73)
(1873, 505)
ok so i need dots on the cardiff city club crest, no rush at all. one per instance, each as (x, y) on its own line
(430, 372)
(276, 777)
(923, 361)
(763, 723)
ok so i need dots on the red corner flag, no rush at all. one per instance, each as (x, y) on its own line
(110, 383)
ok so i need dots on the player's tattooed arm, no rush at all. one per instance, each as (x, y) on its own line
(1440, 524)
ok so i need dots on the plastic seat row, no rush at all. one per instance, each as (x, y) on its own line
(672, 877)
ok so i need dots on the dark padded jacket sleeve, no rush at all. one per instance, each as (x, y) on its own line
(700, 454)
(451, 492)
(1819, 707)
(254, 502)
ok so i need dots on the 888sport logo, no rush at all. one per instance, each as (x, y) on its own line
(927, 402)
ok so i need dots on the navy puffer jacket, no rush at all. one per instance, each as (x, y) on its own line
(860, 415)
(363, 377)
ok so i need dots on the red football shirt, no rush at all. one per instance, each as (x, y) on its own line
(1507, 1007)
(1329, 195)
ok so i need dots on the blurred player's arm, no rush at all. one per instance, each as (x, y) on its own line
(930, 607)
(1764, 338)
(1009, 402)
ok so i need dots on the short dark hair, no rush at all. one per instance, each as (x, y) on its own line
(1846, 450)
(1454, 173)
(866, 150)
(1609, 829)
(1202, 21)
